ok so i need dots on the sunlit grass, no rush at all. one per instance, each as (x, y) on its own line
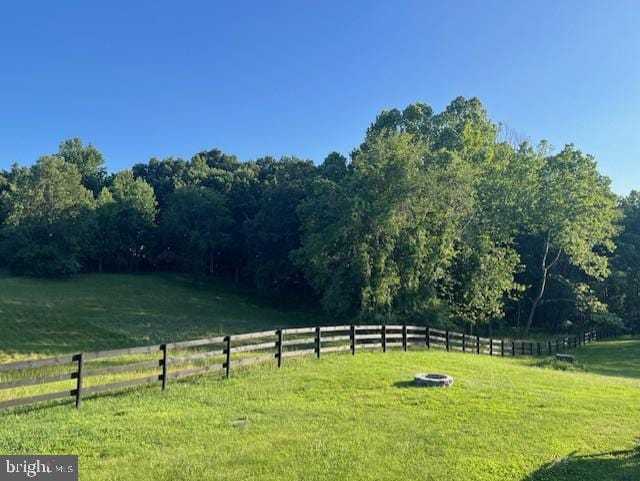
(346, 417)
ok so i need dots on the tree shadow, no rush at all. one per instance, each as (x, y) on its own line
(609, 466)
(618, 357)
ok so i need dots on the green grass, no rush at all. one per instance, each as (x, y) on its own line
(357, 418)
(91, 312)
(342, 417)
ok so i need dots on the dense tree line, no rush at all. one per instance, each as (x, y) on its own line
(434, 217)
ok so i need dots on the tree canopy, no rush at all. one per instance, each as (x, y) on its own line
(434, 217)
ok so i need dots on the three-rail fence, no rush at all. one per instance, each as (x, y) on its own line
(162, 363)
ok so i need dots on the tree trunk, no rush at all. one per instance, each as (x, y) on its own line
(536, 302)
(543, 283)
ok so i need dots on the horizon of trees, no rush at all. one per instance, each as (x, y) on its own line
(435, 217)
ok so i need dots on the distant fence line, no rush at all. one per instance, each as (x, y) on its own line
(233, 351)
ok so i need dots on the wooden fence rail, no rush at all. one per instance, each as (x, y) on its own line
(225, 353)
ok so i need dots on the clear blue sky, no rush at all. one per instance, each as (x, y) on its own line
(156, 78)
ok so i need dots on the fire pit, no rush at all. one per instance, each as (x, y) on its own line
(433, 380)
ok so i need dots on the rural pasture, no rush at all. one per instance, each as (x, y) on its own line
(340, 417)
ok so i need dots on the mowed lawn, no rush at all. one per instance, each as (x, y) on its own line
(358, 418)
(340, 417)
(107, 311)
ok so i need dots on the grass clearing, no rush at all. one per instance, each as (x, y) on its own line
(343, 417)
(40, 318)
(351, 418)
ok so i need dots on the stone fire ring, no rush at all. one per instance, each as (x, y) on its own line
(433, 380)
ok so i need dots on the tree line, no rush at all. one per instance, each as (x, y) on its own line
(436, 217)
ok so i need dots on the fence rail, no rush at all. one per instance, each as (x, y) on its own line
(178, 360)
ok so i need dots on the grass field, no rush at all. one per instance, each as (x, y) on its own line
(91, 312)
(341, 417)
(357, 418)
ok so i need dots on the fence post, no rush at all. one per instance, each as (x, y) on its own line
(522, 347)
(428, 338)
(539, 349)
(464, 342)
(79, 380)
(530, 348)
(318, 342)
(227, 351)
(352, 334)
(513, 348)
(279, 347)
(446, 339)
(502, 347)
(404, 337)
(477, 344)
(384, 338)
(165, 362)
(491, 346)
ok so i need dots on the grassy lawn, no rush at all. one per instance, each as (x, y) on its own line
(91, 312)
(343, 417)
(356, 418)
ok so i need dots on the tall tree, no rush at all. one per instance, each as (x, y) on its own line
(572, 216)
(133, 220)
(105, 229)
(46, 229)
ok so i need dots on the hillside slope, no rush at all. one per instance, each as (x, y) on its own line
(97, 311)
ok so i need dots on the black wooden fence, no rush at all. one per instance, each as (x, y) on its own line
(225, 353)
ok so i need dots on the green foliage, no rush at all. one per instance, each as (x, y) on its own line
(164, 176)
(432, 218)
(623, 286)
(88, 160)
(274, 230)
(194, 225)
(572, 219)
(129, 220)
(377, 242)
(558, 365)
(480, 278)
(46, 223)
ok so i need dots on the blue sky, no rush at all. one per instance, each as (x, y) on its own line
(143, 79)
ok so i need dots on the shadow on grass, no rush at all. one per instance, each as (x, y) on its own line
(413, 385)
(620, 358)
(405, 384)
(610, 466)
